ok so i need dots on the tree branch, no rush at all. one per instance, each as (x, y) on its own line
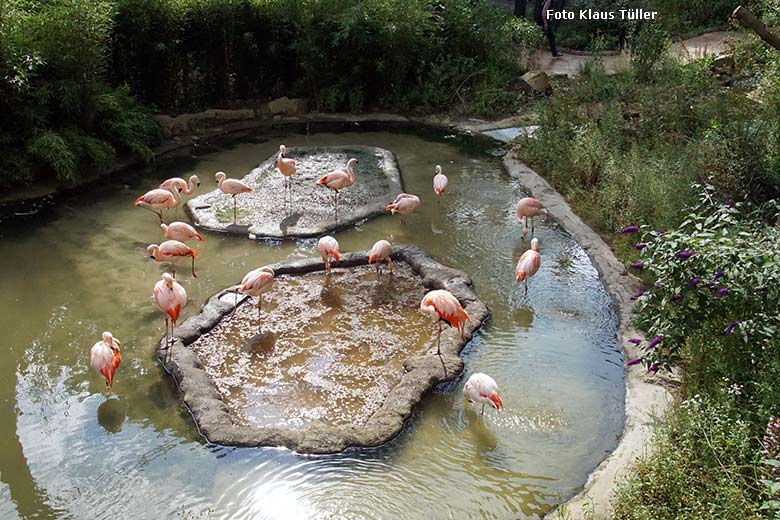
(748, 20)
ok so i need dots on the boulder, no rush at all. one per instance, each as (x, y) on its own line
(535, 81)
(723, 64)
(287, 106)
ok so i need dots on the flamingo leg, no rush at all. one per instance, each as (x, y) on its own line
(390, 264)
(483, 410)
(438, 341)
(526, 286)
(259, 303)
(193, 267)
(170, 349)
(532, 226)
(234, 209)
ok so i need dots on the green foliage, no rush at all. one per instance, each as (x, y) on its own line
(344, 54)
(626, 148)
(718, 310)
(57, 113)
(703, 463)
(648, 44)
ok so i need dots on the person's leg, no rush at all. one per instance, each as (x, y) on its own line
(551, 39)
(520, 8)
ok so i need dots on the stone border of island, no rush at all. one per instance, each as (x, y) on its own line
(203, 211)
(422, 371)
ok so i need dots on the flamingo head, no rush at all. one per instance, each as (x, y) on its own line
(152, 249)
(268, 270)
(282, 149)
(535, 244)
(168, 279)
(352, 162)
(195, 180)
(108, 338)
(164, 228)
(220, 176)
(438, 169)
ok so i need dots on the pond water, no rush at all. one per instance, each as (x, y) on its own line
(81, 267)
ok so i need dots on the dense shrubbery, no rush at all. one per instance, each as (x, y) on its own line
(69, 68)
(627, 148)
(57, 113)
(345, 54)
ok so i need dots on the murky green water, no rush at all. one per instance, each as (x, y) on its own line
(81, 267)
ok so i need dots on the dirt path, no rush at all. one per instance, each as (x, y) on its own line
(707, 44)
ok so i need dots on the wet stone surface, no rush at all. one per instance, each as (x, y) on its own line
(308, 209)
(322, 347)
(328, 362)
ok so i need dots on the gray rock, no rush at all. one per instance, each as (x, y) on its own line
(287, 106)
(423, 371)
(535, 81)
(267, 212)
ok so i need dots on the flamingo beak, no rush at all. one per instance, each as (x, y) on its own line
(495, 401)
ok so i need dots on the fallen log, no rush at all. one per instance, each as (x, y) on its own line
(749, 20)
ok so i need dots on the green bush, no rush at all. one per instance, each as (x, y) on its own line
(57, 113)
(345, 54)
(703, 463)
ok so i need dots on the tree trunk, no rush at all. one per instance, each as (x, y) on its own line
(520, 8)
(748, 19)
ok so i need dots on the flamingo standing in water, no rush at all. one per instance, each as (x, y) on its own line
(439, 183)
(169, 297)
(287, 167)
(256, 283)
(339, 180)
(189, 187)
(442, 305)
(528, 208)
(381, 251)
(528, 263)
(159, 199)
(104, 357)
(231, 187)
(481, 388)
(172, 252)
(180, 231)
(405, 204)
(328, 248)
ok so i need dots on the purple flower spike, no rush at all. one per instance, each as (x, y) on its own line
(636, 295)
(677, 297)
(655, 341)
(695, 282)
(731, 326)
(653, 368)
(630, 229)
(717, 276)
(660, 231)
(634, 361)
(723, 291)
(637, 265)
(729, 202)
(639, 246)
(635, 341)
(684, 255)
(659, 286)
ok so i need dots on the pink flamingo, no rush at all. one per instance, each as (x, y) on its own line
(104, 357)
(381, 251)
(159, 199)
(169, 297)
(405, 204)
(528, 263)
(172, 252)
(328, 247)
(287, 167)
(439, 183)
(231, 187)
(442, 305)
(168, 184)
(528, 208)
(256, 283)
(482, 388)
(180, 231)
(339, 180)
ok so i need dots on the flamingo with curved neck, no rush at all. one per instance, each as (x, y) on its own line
(338, 180)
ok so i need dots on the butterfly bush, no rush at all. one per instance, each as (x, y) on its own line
(736, 250)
